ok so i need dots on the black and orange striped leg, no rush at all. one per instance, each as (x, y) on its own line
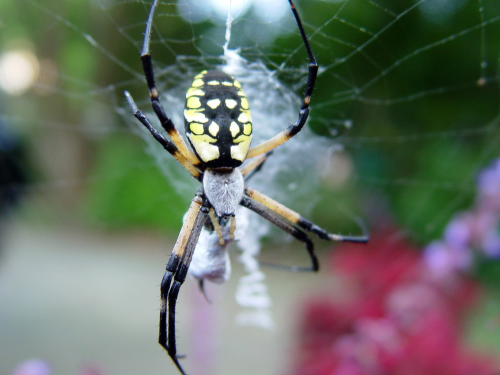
(298, 221)
(293, 129)
(175, 275)
(165, 121)
(167, 145)
(287, 227)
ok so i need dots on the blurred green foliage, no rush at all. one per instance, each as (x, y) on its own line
(130, 191)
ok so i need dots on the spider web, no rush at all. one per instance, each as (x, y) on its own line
(368, 72)
(405, 111)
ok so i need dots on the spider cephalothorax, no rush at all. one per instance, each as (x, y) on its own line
(218, 127)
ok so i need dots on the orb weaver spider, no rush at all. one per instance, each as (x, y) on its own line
(218, 126)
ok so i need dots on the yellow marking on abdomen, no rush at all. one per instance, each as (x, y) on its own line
(195, 115)
(231, 103)
(214, 83)
(194, 91)
(203, 138)
(244, 103)
(247, 129)
(197, 83)
(240, 150)
(193, 102)
(234, 129)
(227, 83)
(242, 138)
(213, 128)
(214, 103)
(204, 149)
(244, 117)
(201, 74)
(196, 128)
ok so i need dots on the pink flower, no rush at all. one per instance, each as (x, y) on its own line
(402, 310)
(396, 320)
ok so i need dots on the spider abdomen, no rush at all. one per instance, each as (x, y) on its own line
(217, 120)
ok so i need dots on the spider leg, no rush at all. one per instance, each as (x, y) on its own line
(167, 145)
(296, 127)
(165, 121)
(287, 227)
(175, 275)
(298, 220)
(253, 166)
(216, 225)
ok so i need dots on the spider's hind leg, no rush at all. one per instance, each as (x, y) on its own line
(299, 221)
(287, 227)
(175, 275)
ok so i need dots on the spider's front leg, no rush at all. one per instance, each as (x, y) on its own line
(296, 127)
(175, 275)
(166, 122)
(167, 145)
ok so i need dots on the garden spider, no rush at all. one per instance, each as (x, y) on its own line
(219, 129)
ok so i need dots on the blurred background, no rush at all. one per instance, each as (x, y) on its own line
(403, 136)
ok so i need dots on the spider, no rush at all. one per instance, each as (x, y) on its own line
(219, 129)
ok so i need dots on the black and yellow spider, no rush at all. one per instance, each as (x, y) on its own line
(219, 129)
